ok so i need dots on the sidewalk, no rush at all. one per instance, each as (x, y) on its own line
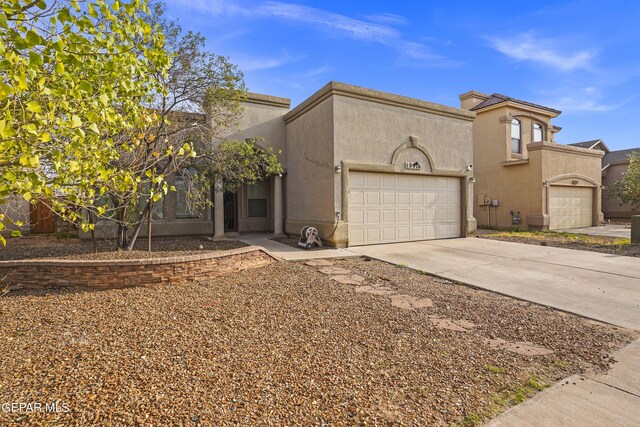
(612, 399)
(290, 253)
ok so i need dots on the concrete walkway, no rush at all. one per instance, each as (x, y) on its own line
(289, 253)
(612, 399)
(600, 286)
(611, 230)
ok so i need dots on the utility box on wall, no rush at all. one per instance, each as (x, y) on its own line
(483, 200)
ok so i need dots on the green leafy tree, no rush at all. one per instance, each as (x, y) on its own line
(198, 104)
(628, 189)
(76, 79)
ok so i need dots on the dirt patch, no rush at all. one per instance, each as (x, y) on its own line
(602, 244)
(44, 247)
(281, 345)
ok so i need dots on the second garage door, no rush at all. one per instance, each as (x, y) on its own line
(386, 208)
(570, 207)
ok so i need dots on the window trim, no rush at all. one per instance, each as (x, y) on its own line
(266, 198)
(517, 122)
(180, 183)
(533, 131)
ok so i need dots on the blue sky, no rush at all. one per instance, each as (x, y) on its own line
(582, 57)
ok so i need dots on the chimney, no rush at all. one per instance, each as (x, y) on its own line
(470, 99)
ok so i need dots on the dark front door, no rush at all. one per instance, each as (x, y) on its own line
(230, 212)
(42, 220)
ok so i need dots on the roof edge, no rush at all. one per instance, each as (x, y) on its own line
(544, 145)
(357, 92)
(274, 101)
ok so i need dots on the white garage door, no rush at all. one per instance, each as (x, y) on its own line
(386, 208)
(570, 207)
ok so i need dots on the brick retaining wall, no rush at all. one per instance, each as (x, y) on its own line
(109, 274)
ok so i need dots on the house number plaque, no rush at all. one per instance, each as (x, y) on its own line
(413, 165)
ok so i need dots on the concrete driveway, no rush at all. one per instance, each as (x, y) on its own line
(600, 286)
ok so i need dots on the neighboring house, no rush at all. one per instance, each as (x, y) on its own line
(523, 177)
(362, 166)
(614, 166)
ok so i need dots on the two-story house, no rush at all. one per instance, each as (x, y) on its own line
(522, 176)
(614, 167)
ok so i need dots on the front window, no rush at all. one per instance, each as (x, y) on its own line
(158, 206)
(184, 210)
(516, 142)
(258, 195)
(537, 132)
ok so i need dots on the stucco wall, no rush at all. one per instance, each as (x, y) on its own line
(16, 209)
(517, 187)
(311, 170)
(260, 120)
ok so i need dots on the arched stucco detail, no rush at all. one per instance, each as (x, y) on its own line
(572, 176)
(412, 143)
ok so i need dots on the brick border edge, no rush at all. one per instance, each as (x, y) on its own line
(113, 274)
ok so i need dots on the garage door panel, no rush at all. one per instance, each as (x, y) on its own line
(388, 198)
(404, 199)
(570, 207)
(388, 216)
(382, 215)
(389, 234)
(372, 217)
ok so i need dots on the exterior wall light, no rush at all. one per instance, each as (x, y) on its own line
(472, 179)
(338, 168)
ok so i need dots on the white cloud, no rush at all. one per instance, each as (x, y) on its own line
(526, 47)
(569, 104)
(318, 71)
(376, 29)
(255, 63)
(387, 18)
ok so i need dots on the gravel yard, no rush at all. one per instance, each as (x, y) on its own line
(43, 246)
(581, 242)
(288, 344)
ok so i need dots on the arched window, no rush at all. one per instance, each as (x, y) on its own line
(537, 132)
(516, 141)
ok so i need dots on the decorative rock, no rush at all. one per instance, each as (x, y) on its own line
(409, 302)
(334, 270)
(352, 279)
(519, 347)
(319, 263)
(375, 290)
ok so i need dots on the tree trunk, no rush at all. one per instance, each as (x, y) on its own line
(121, 237)
(149, 228)
(136, 231)
(92, 221)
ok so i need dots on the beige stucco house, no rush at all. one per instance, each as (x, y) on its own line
(362, 166)
(523, 177)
